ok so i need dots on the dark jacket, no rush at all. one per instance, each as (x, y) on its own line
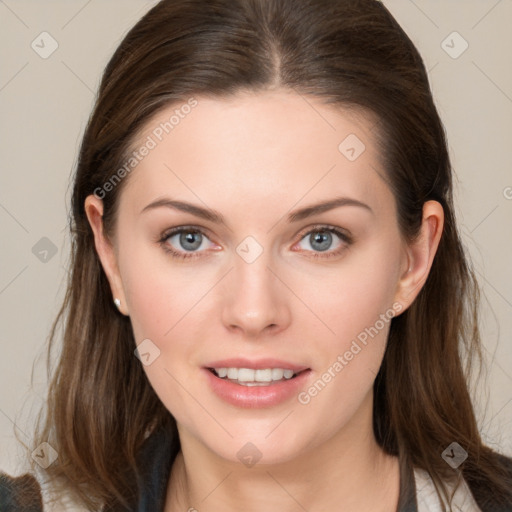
(22, 494)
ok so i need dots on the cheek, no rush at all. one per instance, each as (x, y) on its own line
(148, 303)
(161, 303)
(357, 303)
(158, 292)
(352, 297)
(166, 304)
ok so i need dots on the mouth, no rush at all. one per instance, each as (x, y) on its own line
(255, 377)
(256, 384)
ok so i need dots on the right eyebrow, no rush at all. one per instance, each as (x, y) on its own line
(198, 211)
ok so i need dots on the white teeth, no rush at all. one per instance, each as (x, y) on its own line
(277, 373)
(288, 374)
(262, 375)
(248, 375)
(245, 374)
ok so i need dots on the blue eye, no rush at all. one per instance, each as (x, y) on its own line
(189, 241)
(321, 239)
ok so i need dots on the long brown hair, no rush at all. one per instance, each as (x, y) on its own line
(101, 406)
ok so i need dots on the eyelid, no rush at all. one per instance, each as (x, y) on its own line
(187, 228)
(343, 233)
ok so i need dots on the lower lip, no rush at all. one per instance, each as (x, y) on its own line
(256, 396)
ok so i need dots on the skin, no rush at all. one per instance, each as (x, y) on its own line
(254, 158)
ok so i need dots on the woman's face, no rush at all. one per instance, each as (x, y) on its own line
(259, 275)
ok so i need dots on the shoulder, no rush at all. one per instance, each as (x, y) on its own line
(465, 498)
(29, 493)
(428, 500)
(20, 493)
(25, 493)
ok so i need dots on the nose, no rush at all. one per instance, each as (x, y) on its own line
(255, 301)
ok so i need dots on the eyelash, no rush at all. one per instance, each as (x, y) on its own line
(343, 236)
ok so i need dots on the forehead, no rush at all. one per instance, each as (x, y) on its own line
(256, 145)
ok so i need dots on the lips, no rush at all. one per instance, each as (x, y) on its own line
(259, 364)
(256, 396)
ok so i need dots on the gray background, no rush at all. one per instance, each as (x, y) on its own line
(45, 103)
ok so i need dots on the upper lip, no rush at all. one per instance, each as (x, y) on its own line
(256, 364)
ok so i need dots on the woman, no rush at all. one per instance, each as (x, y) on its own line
(268, 291)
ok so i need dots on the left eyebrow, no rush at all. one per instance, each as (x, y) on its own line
(324, 206)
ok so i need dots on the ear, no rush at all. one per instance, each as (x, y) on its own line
(419, 254)
(105, 249)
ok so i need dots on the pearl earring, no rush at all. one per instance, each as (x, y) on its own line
(117, 302)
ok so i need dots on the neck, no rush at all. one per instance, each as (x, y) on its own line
(337, 474)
